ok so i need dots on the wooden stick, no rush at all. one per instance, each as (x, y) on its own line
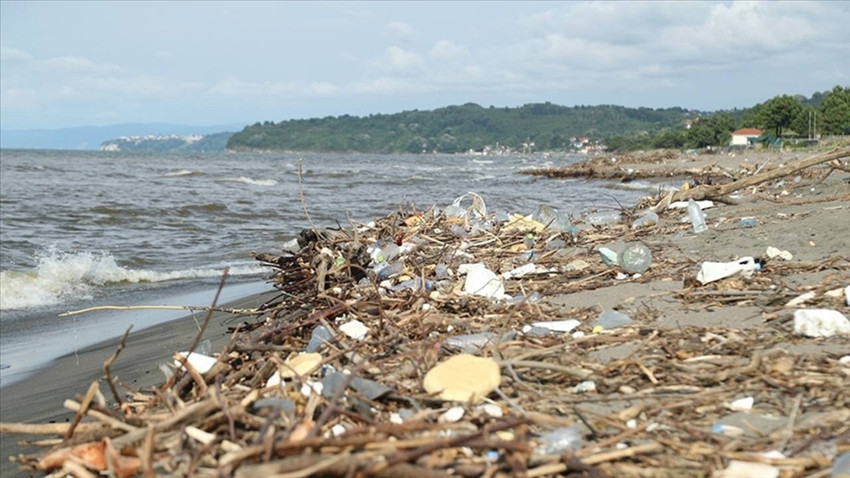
(84, 406)
(109, 363)
(114, 423)
(717, 192)
(46, 428)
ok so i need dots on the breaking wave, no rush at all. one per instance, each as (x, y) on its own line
(67, 276)
(253, 182)
(182, 172)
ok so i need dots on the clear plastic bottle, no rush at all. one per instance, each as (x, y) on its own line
(635, 258)
(696, 216)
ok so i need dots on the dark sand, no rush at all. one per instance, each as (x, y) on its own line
(39, 399)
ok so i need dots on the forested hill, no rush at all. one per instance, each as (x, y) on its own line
(459, 129)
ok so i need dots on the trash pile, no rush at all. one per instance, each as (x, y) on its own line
(424, 344)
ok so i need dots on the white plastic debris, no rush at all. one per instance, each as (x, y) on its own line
(492, 410)
(801, 299)
(774, 252)
(395, 418)
(712, 271)
(555, 326)
(847, 295)
(310, 387)
(520, 271)
(482, 281)
(820, 323)
(337, 430)
(632, 424)
(749, 469)
(354, 329)
(274, 380)
(451, 415)
(200, 362)
(586, 386)
(684, 204)
(745, 403)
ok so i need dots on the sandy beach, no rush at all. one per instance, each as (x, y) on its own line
(744, 325)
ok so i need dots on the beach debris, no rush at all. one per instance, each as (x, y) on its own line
(820, 323)
(714, 271)
(202, 363)
(558, 441)
(354, 329)
(648, 219)
(696, 216)
(299, 365)
(97, 456)
(774, 252)
(635, 258)
(610, 257)
(749, 469)
(444, 383)
(463, 378)
(562, 326)
(610, 319)
(551, 219)
(482, 281)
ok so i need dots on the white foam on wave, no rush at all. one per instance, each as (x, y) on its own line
(62, 276)
(254, 182)
(182, 172)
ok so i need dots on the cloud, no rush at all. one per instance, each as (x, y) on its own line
(446, 50)
(396, 60)
(13, 55)
(399, 30)
(74, 64)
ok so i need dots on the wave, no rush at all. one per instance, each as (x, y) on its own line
(182, 172)
(68, 276)
(254, 182)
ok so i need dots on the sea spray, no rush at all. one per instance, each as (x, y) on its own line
(60, 277)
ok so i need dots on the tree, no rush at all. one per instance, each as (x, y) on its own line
(835, 112)
(714, 130)
(779, 112)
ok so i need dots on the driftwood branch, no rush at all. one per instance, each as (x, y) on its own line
(719, 192)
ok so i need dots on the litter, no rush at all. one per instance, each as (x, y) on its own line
(820, 323)
(713, 271)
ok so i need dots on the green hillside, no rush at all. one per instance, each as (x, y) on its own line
(458, 129)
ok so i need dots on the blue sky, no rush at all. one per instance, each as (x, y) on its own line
(66, 63)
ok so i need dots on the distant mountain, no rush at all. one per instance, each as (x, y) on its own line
(91, 137)
(170, 143)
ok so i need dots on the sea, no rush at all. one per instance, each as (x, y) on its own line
(88, 229)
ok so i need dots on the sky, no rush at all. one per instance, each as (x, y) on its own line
(67, 64)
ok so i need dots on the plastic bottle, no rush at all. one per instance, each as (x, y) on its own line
(635, 258)
(696, 216)
(559, 440)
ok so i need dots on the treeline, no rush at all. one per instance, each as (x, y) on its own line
(547, 127)
(783, 116)
(453, 129)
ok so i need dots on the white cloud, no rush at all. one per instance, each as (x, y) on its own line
(398, 61)
(399, 30)
(446, 50)
(8, 54)
(74, 64)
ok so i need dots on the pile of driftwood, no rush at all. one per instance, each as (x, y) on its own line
(422, 345)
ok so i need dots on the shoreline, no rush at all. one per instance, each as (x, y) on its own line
(39, 398)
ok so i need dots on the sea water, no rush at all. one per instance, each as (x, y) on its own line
(83, 229)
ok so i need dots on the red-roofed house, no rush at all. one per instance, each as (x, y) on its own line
(742, 136)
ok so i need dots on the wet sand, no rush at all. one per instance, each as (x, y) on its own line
(39, 398)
